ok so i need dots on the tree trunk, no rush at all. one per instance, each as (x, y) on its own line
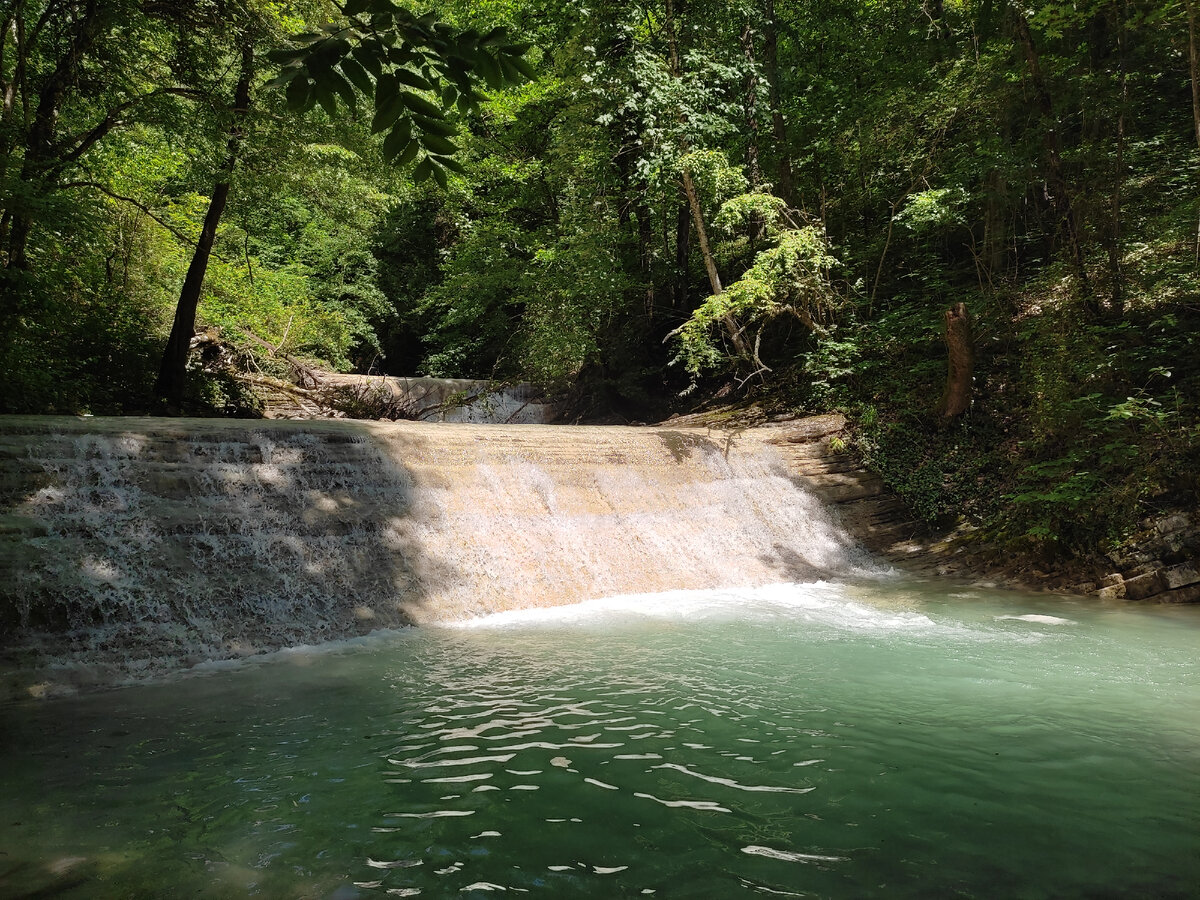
(995, 238)
(1116, 272)
(710, 265)
(645, 252)
(41, 140)
(758, 227)
(689, 188)
(714, 277)
(172, 375)
(1060, 194)
(1194, 68)
(1194, 71)
(683, 254)
(751, 108)
(785, 189)
(960, 353)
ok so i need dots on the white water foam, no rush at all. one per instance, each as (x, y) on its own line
(1039, 619)
(822, 603)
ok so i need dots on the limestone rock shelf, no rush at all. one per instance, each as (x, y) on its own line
(147, 543)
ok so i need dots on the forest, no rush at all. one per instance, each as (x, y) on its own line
(644, 207)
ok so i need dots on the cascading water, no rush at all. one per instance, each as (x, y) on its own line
(171, 542)
(763, 722)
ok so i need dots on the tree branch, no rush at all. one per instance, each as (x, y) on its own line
(179, 235)
(111, 120)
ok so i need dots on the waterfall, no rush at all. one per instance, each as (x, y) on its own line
(162, 542)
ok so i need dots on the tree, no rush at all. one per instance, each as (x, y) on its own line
(49, 52)
(414, 68)
(172, 372)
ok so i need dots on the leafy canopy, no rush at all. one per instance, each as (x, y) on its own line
(415, 69)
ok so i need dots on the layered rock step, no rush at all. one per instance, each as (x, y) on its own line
(222, 537)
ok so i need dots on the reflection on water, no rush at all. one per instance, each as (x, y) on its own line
(797, 740)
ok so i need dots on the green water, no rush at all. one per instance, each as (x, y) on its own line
(814, 740)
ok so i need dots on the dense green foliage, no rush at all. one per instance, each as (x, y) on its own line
(766, 199)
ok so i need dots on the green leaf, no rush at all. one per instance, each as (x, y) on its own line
(490, 70)
(420, 105)
(521, 64)
(326, 54)
(439, 145)
(385, 86)
(452, 164)
(299, 91)
(387, 111)
(495, 36)
(283, 77)
(439, 175)
(358, 75)
(435, 126)
(409, 154)
(423, 170)
(369, 55)
(286, 54)
(327, 100)
(412, 79)
(509, 71)
(396, 141)
(343, 89)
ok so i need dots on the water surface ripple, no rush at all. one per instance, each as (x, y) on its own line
(884, 740)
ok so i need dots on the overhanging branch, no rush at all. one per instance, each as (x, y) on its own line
(179, 235)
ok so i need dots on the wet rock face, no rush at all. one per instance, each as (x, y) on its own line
(155, 540)
(816, 454)
(1161, 564)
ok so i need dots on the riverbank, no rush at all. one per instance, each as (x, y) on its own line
(1159, 563)
(132, 548)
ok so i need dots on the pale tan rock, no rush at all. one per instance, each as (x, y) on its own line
(1181, 576)
(1144, 586)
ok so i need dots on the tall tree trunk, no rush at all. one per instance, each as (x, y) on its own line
(714, 277)
(40, 142)
(710, 265)
(1194, 71)
(960, 363)
(645, 252)
(758, 227)
(995, 238)
(785, 189)
(172, 375)
(14, 34)
(683, 253)
(14, 37)
(1116, 274)
(751, 87)
(1060, 194)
